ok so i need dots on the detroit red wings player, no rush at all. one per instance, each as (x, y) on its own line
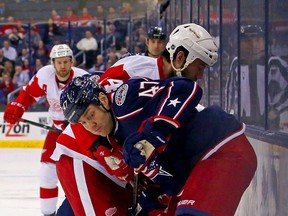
(49, 81)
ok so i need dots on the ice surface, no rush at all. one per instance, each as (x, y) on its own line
(19, 182)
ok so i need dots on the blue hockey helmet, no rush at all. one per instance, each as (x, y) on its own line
(79, 94)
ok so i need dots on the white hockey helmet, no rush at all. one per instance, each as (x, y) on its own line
(196, 40)
(61, 50)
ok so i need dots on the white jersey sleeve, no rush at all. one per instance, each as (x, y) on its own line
(132, 66)
(45, 83)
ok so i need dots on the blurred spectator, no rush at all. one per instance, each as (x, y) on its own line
(55, 17)
(99, 27)
(85, 19)
(89, 45)
(9, 67)
(111, 13)
(50, 32)
(98, 19)
(6, 86)
(114, 38)
(3, 59)
(21, 29)
(126, 9)
(112, 48)
(7, 28)
(16, 37)
(42, 45)
(138, 48)
(123, 51)
(9, 51)
(35, 37)
(142, 42)
(41, 53)
(1, 71)
(99, 64)
(112, 58)
(26, 67)
(127, 43)
(109, 64)
(21, 77)
(4, 11)
(22, 56)
(100, 14)
(69, 17)
(38, 65)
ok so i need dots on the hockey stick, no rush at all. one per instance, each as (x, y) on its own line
(132, 211)
(40, 125)
(146, 149)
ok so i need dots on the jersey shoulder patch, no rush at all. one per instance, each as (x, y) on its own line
(120, 94)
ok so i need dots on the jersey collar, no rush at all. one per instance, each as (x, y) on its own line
(67, 81)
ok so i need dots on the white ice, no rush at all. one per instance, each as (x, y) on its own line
(19, 182)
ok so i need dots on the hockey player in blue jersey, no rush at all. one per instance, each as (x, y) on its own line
(202, 160)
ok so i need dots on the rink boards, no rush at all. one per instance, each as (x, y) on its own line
(24, 135)
(267, 194)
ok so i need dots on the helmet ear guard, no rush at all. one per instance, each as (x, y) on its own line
(196, 40)
(79, 94)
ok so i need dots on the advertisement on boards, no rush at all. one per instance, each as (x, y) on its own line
(24, 135)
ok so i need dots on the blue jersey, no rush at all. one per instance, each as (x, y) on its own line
(172, 102)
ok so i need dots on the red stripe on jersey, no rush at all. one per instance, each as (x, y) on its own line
(160, 67)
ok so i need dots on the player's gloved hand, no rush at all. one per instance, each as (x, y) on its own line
(133, 156)
(151, 203)
(113, 161)
(14, 112)
(154, 170)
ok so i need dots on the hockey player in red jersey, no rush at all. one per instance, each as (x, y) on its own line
(49, 81)
(206, 168)
(179, 57)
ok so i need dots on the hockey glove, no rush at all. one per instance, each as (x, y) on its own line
(153, 169)
(113, 161)
(14, 112)
(150, 203)
(133, 155)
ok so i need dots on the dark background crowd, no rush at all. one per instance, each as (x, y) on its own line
(97, 32)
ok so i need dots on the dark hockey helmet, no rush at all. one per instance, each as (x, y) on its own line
(156, 33)
(251, 31)
(79, 94)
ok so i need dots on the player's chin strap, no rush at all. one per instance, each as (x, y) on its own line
(107, 110)
(111, 113)
(178, 70)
